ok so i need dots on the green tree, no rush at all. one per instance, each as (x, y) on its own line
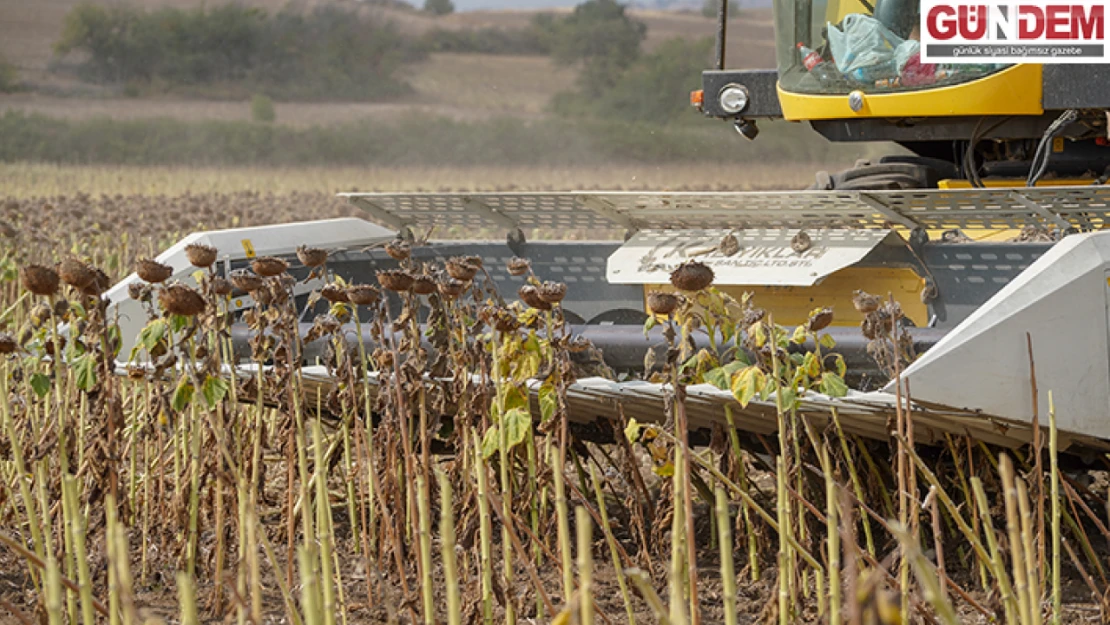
(655, 89)
(328, 52)
(9, 78)
(600, 36)
(439, 7)
(262, 108)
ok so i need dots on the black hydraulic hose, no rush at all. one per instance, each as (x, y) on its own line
(1040, 158)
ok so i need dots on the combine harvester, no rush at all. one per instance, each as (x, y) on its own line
(987, 234)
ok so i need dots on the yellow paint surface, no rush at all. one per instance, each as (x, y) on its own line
(1015, 90)
(791, 305)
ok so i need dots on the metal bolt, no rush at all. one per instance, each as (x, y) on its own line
(855, 101)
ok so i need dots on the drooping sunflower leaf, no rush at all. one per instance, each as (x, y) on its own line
(833, 385)
(84, 369)
(150, 335)
(178, 322)
(721, 377)
(517, 423)
(632, 431)
(40, 384)
(747, 383)
(214, 390)
(182, 395)
(491, 442)
(548, 402)
(667, 470)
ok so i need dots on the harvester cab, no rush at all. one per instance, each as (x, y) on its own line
(853, 70)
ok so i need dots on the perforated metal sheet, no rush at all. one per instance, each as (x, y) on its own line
(481, 210)
(1085, 208)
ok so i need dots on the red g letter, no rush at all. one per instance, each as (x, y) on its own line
(941, 22)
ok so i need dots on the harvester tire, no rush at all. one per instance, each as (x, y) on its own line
(891, 173)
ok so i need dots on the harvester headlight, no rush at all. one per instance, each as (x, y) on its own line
(733, 98)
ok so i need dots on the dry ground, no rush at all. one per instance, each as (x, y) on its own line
(457, 86)
(38, 180)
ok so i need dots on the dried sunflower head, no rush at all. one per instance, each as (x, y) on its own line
(221, 286)
(801, 242)
(312, 256)
(530, 295)
(48, 346)
(872, 327)
(139, 291)
(39, 280)
(328, 324)
(692, 275)
(423, 285)
(451, 288)
(363, 294)
(179, 299)
(396, 280)
(268, 266)
(729, 245)
(245, 280)
(383, 357)
(153, 271)
(334, 293)
(398, 249)
(662, 303)
(518, 266)
(200, 255)
(752, 315)
(101, 283)
(76, 273)
(553, 292)
(820, 319)
(460, 268)
(8, 344)
(865, 302)
(578, 344)
(505, 321)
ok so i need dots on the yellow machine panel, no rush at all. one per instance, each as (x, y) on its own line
(791, 305)
(1012, 91)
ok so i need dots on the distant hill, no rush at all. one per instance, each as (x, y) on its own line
(29, 30)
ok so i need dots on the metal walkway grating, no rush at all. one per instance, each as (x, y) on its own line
(1084, 208)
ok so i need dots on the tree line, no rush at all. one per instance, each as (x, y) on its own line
(335, 53)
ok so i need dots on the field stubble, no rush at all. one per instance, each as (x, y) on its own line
(262, 499)
(25, 180)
